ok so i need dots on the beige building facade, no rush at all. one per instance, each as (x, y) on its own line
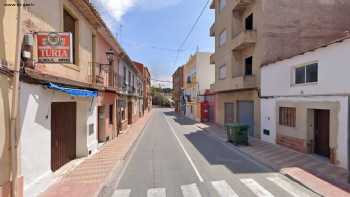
(249, 33)
(198, 75)
(40, 105)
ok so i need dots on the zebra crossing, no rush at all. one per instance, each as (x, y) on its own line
(223, 189)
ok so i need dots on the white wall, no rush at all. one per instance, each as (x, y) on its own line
(35, 122)
(333, 73)
(205, 72)
(268, 120)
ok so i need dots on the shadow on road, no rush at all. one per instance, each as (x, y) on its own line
(217, 152)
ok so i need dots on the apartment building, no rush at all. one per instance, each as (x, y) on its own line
(249, 33)
(68, 98)
(178, 85)
(198, 75)
(308, 109)
(146, 80)
(130, 101)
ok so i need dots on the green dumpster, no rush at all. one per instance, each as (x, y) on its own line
(237, 133)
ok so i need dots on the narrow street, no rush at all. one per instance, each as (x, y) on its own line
(175, 158)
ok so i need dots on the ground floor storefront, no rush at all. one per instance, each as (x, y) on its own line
(107, 116)
(134, 109)
(192, 110)
(316, 125)
(122, 111)
(55, 128)
(239, 107)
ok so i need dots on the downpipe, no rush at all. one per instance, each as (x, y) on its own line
(14, 105)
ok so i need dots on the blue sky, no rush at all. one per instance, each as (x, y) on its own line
(151, 30)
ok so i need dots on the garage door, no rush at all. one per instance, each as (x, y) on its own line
(246, 114)
(63, 134)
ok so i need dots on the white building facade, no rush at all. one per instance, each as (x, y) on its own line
(305, 102)
(38, 140)
(199, 74)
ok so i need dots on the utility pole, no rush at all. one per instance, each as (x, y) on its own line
(14, 106)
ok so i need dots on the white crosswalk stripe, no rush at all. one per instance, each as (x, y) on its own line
(190, 190)
(122, 193)
(156, 192)
(256, 188)
(287, 187)
(223, 189)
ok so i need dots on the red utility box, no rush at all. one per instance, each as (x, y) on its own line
(204, 111)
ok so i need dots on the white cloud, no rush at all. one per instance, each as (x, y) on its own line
(117, 8)
(114, 10)
(156, 4)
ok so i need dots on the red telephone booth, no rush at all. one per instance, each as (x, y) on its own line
(204, 111)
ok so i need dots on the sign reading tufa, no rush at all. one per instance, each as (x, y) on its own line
(55, 47)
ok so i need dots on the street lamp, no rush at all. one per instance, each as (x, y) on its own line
(110, 59)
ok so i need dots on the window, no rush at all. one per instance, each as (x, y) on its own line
(222, 4)
(222, 72)
(129, 78)
(69, 25)
(110, 114)
(133, 81)
(123, 114)
(249, 66)
(249, 22)
(222, 38)
(124, 75)
(287, 116)
(306, 74)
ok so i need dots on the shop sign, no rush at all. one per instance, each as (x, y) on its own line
(55, 47)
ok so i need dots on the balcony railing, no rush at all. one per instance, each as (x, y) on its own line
(100, 75)
(235, 83)
(121, 84)
(244, 39)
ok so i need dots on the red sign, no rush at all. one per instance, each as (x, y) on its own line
(55, 47)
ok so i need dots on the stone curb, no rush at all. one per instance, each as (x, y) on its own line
(105, 188)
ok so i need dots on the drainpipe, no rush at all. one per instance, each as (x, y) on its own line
(14, 105)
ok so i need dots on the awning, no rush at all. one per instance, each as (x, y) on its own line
(73, 91)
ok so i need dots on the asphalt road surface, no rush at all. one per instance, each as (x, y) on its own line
(174, 158)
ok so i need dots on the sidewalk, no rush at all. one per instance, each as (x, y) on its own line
(89, 178)
(315, 173)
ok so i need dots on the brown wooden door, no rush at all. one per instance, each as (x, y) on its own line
(130, 110)
(63, 134)
(322, 132)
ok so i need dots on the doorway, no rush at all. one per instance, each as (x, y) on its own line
(246, 115)
(100, 123)
(130, 110)
(229, 113)
(63, 133)
(321, 132)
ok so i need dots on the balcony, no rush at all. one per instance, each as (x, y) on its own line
(241, 5)
(212, 58)
(212, 30)
(121, 84)
(244, 39)
(236, 83)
